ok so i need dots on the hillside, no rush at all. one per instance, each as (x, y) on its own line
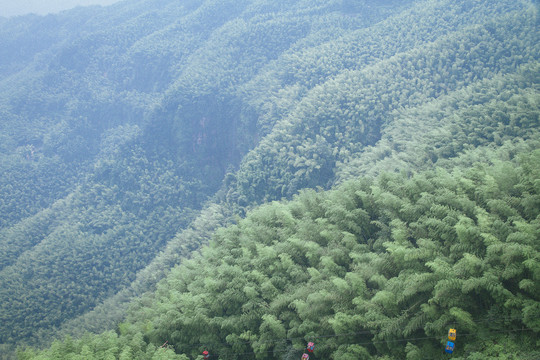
(374, 269)
(130, 133)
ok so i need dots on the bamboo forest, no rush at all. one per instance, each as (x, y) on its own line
(271, 179)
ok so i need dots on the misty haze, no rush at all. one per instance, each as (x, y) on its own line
(269, 179)
(42, 7)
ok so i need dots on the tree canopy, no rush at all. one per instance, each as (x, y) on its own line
(135, 135)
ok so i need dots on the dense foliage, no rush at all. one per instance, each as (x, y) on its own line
(129, 134)
(374, 268)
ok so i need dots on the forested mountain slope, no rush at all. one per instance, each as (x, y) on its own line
(336, 120)
(130, 133)
(373, 269)
(114, 134)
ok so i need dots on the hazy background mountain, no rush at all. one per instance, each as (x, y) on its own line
(130, 133)
(23, 7)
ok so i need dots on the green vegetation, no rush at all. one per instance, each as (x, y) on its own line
(374, 268)
(132, 137)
